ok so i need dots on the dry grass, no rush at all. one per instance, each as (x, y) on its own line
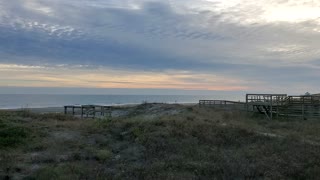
(186, 142)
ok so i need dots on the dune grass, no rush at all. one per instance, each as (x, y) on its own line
(158, 141)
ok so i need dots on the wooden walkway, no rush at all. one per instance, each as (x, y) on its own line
(224, 104)
(273, 105)
(88, 111)
(301, 106)
(268, 104)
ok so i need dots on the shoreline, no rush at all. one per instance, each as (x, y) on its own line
(60, 109)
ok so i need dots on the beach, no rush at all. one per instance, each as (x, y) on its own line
(16, 101)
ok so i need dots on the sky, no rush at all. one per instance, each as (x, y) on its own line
(265, 46)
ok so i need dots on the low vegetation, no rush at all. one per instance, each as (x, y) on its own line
(158, 141)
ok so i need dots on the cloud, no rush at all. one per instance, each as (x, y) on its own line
(249, 41)
(72, 76)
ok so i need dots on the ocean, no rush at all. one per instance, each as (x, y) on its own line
(14, 101)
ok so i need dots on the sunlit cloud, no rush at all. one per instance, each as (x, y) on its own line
(293, 14)
(38, 7)
(64, 76)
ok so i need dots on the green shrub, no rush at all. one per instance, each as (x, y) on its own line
(25, 113)
(62, 172)
(56, 116)
(103, 155)
(102, 123)
(11, 136)
(2, 124)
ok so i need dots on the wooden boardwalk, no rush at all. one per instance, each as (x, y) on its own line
(301, 106)
(273, 105)
(88, 111)
(268, 104)
(223, 104)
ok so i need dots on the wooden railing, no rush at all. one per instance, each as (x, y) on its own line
(280, 105)
(301, 106)
(88, 110)
(225, 104)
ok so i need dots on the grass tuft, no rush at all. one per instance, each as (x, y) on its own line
(11, 136)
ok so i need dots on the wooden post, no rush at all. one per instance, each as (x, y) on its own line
(278, 110)
(73, 110)
(94, 112)
(65, 109)
(87, 111)
(110, 111)
(102, 110)
(247, 105)
(271, 108)
(81, 112)
(302, 107)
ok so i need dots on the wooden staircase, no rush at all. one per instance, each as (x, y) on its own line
(282, 105)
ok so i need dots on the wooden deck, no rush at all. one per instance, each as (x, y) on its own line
(224, 104)
(301, 106)
(88, 111)
(273, 105)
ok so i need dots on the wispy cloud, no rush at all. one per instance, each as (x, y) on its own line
(237, 44)
(77, 76)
